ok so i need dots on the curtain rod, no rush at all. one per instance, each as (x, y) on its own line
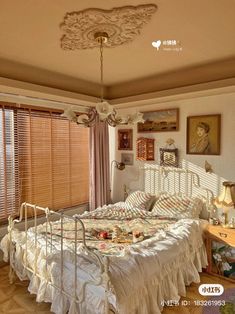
(49, 101)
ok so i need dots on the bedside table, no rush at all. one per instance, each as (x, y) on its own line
(220, 242)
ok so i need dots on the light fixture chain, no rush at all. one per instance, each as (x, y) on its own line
(101, 71)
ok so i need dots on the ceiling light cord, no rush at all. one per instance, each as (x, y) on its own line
(101, 72)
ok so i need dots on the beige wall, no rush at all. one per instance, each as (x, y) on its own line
(223, 165)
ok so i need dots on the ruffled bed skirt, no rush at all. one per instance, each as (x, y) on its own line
(169, 286)
(171, 271)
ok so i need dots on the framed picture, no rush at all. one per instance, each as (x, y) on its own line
(169, 157)
(127, 159)
(203, 134)
(160, 121)
(125, 139)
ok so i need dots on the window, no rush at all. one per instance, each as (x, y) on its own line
(9, 183)
(44, 160)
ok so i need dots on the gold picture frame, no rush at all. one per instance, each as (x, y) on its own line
(203, 134)
(125, 139)
(166, 120)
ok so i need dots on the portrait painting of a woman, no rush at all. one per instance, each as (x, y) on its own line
(202, 142)
(203, 135)
(125, 139)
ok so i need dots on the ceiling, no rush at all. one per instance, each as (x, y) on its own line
(204, 30)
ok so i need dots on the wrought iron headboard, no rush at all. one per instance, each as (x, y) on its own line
(158, 179)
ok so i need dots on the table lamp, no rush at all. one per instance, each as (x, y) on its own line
(226, 199)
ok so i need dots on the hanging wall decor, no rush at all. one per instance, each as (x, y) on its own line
(125, 138)
(145, 149)
(169, 157)
(203, 134)
(127, 159)
(160, 121)
(169, 154)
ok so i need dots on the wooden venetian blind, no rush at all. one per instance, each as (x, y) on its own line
(44, 160)
(54, 160)
(9, 171)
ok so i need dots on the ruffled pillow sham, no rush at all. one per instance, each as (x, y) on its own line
(178, 206)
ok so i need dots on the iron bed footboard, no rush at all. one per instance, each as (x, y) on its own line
(95, 255)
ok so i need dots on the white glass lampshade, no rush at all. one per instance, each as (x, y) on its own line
(131, 118)
(104, 109)
(82, 118)
(137, 117)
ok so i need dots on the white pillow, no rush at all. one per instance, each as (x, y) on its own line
(141, 200)
(178, 206)
(204, 214)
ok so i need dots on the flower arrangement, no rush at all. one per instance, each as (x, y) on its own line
(223, 256)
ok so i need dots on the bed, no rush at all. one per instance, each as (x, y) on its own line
(121, 258)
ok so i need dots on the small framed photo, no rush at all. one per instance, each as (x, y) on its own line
(127, 159)
(203, 134)
(169, 157)
(125, 139)
(160, 121)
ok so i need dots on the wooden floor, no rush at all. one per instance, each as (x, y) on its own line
(193, 295)
(16, 298)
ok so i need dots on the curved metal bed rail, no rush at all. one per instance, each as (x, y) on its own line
(101, 261)
(176, 180)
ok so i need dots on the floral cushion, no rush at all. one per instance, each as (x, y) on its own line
(178, 206)
(140, 199)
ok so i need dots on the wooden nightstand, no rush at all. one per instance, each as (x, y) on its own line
(220, 240)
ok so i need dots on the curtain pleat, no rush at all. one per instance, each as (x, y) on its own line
(99, 165)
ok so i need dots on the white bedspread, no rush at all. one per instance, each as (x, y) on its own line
(148, 272)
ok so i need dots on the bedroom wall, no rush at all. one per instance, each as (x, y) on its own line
(223, 165)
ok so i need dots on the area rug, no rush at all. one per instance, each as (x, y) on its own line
(224, 304)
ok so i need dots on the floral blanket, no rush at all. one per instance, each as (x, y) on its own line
(109, 229)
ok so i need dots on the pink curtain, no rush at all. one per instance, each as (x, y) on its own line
(99, 165)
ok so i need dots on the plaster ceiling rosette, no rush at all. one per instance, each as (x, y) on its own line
(121, 24)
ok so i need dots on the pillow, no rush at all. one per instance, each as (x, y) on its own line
(140, 199)
(178, 206)
(204, 214)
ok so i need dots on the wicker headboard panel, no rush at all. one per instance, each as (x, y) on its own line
(157, 179)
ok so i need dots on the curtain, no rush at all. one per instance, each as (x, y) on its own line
(99, 165)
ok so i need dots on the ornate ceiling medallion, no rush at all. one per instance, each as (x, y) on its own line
(121, 24)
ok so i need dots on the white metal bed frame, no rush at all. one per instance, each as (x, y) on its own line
(174, 180)
(160, 179)
(102, 261)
